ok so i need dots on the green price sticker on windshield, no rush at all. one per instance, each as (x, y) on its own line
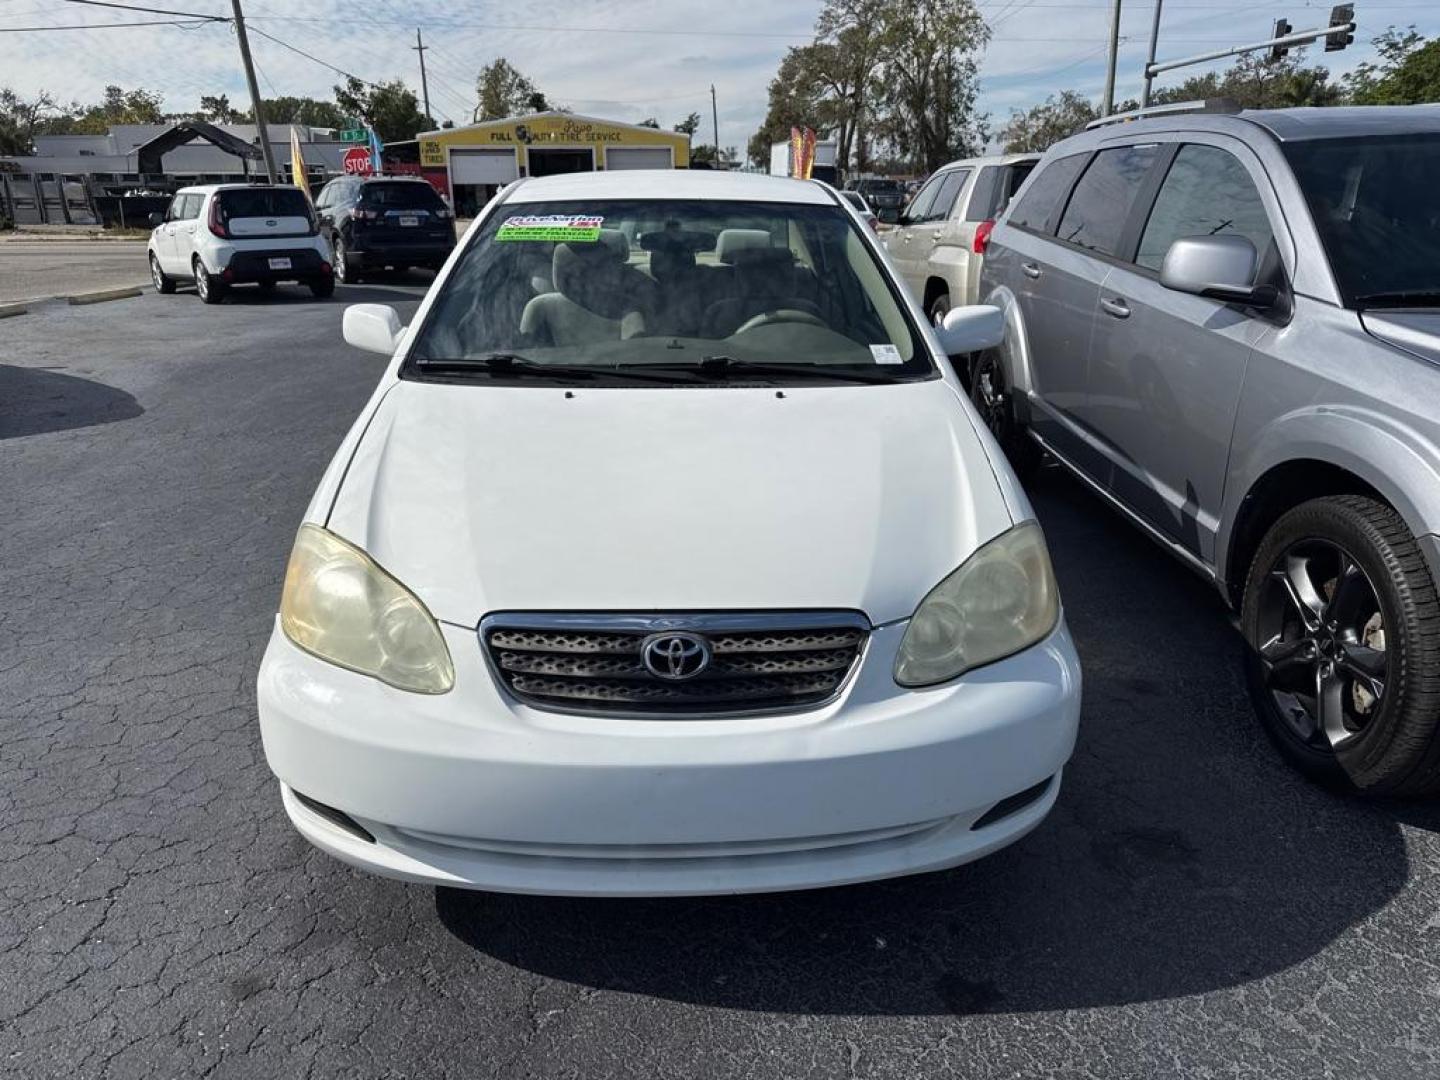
(552, 228)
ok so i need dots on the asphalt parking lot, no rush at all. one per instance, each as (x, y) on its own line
(1190, 909)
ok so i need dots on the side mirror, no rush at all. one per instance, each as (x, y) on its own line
(373, 327)
(156, 219)
(890, 215)
(971, 329)
(1216, 267)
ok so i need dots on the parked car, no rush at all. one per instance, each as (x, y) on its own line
(1229, 327)
(855, 199)
(938, 242)
(880, 192)
(682, 566)
(384, 221)
(220, 235)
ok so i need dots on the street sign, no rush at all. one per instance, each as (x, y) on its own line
(357, 161)
(354, 135)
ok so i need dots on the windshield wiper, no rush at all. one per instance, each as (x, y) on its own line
(723, 366)
(1400, 298)
(513, 365)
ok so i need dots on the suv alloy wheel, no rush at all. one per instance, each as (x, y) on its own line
(1342, 623)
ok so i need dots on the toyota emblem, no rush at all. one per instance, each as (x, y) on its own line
(675, 655)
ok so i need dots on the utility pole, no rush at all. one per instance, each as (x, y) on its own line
(1109, 105)
(715, 123)
(420, 48)
(255, 105)
(1154, 40)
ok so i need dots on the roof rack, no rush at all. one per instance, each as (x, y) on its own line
(1207, 105)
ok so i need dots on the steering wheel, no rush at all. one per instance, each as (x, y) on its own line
(781, 315)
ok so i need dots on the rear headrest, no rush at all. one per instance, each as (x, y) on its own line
(732, 241)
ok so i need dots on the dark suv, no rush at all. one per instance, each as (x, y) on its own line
(384, 221)
(881, 193)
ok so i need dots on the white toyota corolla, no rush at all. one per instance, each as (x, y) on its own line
(668, 557)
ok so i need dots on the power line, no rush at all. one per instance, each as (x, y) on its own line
(189, 24)
(149, 10)
(315, 59)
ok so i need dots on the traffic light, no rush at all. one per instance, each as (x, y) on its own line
(1282, 27)
(1340, 13)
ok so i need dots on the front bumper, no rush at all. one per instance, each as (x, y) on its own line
(472, 789)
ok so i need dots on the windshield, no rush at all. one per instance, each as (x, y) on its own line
(1376, 205)
(684, 288)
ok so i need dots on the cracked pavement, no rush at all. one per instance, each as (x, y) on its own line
(1190, 909)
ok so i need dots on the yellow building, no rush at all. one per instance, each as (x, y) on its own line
(471, 163)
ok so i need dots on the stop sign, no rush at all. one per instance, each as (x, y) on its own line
(357, 161)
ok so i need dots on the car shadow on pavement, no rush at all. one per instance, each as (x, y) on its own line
(36, 400)
(1182, 857)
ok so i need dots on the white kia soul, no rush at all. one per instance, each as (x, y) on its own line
(222, 235)
(667, 558)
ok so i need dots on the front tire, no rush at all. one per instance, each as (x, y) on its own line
(1342, 627)
(164, 283)
(211, 290)
(990, 394)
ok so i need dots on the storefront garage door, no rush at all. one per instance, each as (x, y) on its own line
(483, 167)
(637, 157)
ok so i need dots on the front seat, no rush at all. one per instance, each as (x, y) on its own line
(598, 295)
(765, 279)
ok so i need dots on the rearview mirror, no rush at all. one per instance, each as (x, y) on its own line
(157, 219)
(890, 215)
(1216, 267)
(373, 327)
(971, 329)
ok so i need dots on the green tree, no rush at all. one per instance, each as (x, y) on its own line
(794, 102)
(301, 110)
(690, 125)
(650, 122)
(1032, 130)
(503, 92)
(217, 109)
(853, 33)
(1408, 72)
(390, 108)
(1257, 82)
(22, 119)
(117, 106)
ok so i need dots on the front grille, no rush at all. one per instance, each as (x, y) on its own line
(596, 663)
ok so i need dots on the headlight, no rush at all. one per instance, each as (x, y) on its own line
(343, 608)
(1001, 600)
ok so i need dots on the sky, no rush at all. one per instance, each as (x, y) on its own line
(617, 59)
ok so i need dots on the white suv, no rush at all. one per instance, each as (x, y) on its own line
(229, 234)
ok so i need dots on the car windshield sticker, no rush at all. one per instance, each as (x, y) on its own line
(886, 354)
(555, 228)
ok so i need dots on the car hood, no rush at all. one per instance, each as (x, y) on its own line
(484, 499)
(1417, 332)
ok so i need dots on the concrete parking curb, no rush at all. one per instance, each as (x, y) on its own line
(105, 294)
(7, 310)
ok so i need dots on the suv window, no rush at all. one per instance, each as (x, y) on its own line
(1207, 192)
(1046, 191)
(920, 205)
(946, 195)
(263, 202)
(401, 195)
(1102, 199)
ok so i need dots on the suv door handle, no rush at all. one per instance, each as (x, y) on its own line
(1116, 307)
(935, 235)
(1030, 269)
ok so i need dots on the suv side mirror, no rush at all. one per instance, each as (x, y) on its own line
(890, 215)
(157, 218)
(1217, 267)
(373, 327)
(971, 329)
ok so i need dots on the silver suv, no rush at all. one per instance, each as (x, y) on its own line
(1228, 325)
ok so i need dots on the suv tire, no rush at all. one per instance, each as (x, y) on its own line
(990, 394)
(164, 283)
(345, 273)
(210, 288)
(1342, 627)
(939, 307)
(322, 287)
